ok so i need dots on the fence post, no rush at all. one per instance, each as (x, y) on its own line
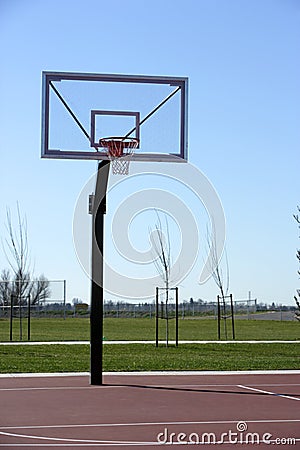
(28, 318)
(176, 316)
(219, 317)
(65, 291)
(11, 318)
(232, 317)
(156, 319)
(20, 318)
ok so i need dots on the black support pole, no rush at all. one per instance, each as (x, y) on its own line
(97, 294)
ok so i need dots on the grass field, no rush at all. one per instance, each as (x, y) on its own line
(73, 329)
(140, 357)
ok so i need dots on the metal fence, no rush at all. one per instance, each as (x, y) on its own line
(32, 298)
(186, 309)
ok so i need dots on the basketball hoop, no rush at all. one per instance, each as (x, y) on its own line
(119, 151)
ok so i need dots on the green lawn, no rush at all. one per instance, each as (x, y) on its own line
(140, 357)
(144, 329)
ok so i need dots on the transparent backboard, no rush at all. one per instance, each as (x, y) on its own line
(79, 109)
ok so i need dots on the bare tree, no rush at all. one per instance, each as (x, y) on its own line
(162, 260)
(297, 300)
(297, 313)
(39, 290)
(17, 253)
(19, 284)
(5, 287)
(220, 279)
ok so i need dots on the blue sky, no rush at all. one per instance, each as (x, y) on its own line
(242, 60)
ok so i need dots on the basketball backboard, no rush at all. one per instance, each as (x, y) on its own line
(79, 109)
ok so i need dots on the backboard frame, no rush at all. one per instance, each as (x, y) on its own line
(180, 82)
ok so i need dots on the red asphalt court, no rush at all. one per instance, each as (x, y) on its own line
(146, 411)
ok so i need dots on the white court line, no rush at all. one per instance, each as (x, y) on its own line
(9, 343)
(82, 441)
(88, 442)
(277, 384)
(268, 392)
(146, 342)
(143, 424)
(45, 343)
(153, 373)
(122, 445)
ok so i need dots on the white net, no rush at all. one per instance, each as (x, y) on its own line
(120, 166)
(119, 151)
